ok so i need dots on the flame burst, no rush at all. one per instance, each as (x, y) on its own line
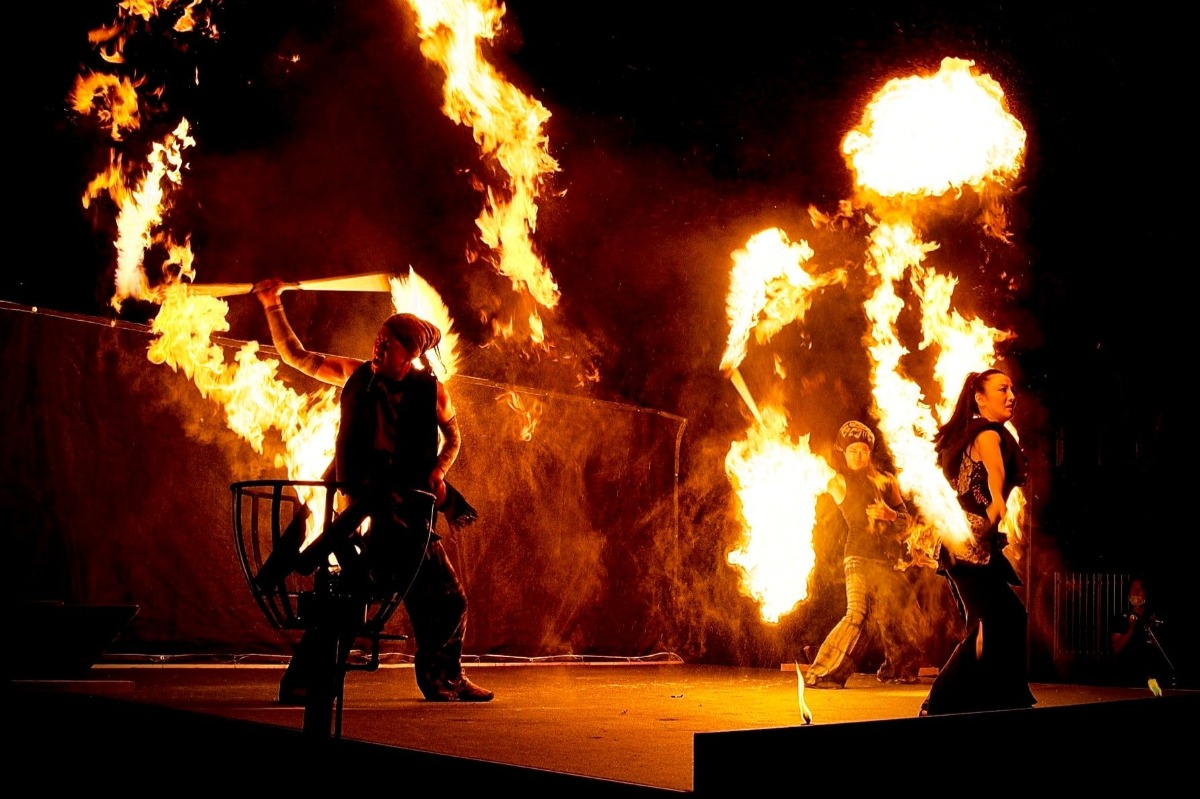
(411, 293)
(898, 149)
(930, 135)
(769, 289)
(254, 400)
(777, 483)
(508, 126)
(920, 139)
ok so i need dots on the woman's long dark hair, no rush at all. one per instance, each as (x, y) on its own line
(950, 436)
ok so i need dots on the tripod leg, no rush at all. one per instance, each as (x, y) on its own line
(1170, 676)
(321, 678)
(329, 641)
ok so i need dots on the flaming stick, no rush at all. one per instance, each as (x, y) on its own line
(735, 376)
(372, 281)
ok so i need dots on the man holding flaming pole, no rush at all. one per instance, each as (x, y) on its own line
(389, 450)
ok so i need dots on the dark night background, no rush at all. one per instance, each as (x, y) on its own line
(679, 131)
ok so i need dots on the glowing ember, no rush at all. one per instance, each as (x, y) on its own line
(777, 483)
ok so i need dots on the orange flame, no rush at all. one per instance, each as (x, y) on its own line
(508, 126)
(777, 482)
(411, 293)
(929, 135)
(531, 414)
(113, 100)
(920, 138)
(769, 289)
(141, 211)
(254, 400)
(898, 149)
(905, 419)
(148, 9)
(252, 396)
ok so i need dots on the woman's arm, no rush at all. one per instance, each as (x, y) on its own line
(987, 448)
(335, 369)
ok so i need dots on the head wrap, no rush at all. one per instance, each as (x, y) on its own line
(413, 332)
(852, 433)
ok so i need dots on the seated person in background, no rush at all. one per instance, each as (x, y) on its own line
(1137, 655)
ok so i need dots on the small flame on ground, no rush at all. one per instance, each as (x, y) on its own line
(806, 716)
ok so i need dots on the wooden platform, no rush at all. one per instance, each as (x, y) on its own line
(584, 730)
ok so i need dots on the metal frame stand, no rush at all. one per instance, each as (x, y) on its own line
(334, 603)
(1152, 638)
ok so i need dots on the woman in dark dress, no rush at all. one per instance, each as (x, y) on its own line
(983, 462)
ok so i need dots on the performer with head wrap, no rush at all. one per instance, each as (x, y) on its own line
(388, 447)
(877, 592)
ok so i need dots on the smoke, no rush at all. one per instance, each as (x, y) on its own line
(322, 150)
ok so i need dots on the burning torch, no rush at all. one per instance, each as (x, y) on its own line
(371, 281)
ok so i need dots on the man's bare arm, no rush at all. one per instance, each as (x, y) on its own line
(448, 424)
(334, 369)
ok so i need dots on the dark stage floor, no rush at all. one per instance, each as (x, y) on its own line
(578, 729)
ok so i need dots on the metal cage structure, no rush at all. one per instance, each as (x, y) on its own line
(272, 524)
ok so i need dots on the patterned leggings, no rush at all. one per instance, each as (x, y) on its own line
(878, 600)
